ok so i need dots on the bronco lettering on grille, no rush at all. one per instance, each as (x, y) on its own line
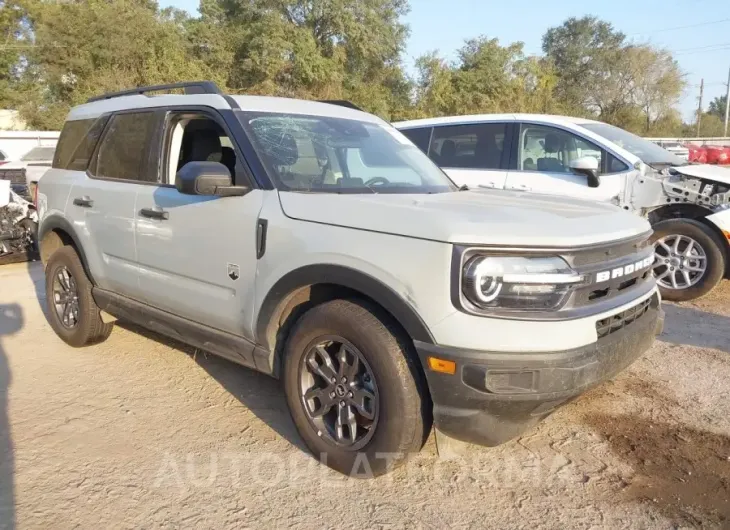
(626, 270)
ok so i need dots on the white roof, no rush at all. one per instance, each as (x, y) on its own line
(479, 118)
(250, 103)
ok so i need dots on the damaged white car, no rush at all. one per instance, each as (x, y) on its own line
(688, 205)
(18, 227)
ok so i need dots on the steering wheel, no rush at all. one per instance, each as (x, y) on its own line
(377, 181)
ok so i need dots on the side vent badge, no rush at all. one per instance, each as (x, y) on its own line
(234, 272)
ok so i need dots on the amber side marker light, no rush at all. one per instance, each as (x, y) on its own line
(442, 366)
(726, 234)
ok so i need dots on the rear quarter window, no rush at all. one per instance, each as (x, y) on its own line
(77, 142)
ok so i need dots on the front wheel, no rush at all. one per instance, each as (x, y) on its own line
(689, 260)
(354, 390)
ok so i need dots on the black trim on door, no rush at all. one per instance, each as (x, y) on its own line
(221, 343)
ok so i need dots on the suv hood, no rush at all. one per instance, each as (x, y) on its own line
(705, 171)
(486, 217)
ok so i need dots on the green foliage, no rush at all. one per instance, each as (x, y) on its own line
(717, 107)
(15, 33)
(584, 52)
(60, 53)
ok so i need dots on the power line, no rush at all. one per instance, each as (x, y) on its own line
(699, 48)
(709, 23)
(725, 48)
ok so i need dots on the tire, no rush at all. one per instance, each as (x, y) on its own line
(88, 328)
(403, 409)
(711, 246)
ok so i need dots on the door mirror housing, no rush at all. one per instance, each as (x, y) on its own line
(588, 166)
(207, 178)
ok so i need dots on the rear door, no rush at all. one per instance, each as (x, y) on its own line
(475, 155)
(544, 154)
(101, 204)
(197, 255)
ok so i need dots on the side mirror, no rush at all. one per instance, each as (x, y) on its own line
(588, 166)
(207, 178)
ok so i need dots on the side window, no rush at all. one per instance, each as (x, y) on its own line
(551, 150)
(77, 142)
(196, 138)
(420, 137)
(123, 151)
(473, 146)
(615, 165)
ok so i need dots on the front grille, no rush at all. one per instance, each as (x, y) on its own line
(606, 326)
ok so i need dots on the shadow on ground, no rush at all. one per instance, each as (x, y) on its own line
(11, 321)
(38, 278)
(692, 327)
(683, 472)
(260, 393)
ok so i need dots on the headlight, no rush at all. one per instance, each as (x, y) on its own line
(517, 283)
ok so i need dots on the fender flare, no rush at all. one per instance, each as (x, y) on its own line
(341, 276)
(56, 222)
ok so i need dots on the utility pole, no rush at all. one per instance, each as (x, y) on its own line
(699, 110)
(727, 101)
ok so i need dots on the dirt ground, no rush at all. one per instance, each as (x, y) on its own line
(143, 432)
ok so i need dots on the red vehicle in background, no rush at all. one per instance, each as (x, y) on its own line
(717, 154)
(697, 154)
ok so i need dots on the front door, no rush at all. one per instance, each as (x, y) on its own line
(197, 254)
(544, 155)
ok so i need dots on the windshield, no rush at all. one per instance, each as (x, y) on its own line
(649, 152)
(39, 154)
(335, 155)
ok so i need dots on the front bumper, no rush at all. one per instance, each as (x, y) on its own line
(495, 396)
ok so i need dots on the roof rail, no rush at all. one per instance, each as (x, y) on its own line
(189, 87)
(341, 103)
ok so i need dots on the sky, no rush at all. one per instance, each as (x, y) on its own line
(697, 30)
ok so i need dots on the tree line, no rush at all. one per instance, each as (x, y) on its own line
(58, 54)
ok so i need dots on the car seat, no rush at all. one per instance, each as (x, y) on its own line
(553, 144)
(447, 156)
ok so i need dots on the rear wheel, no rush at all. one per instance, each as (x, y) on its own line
(353, 389)
(689, 259)
(72, 312)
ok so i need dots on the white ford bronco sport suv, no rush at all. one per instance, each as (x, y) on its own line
(315, 243)
(688, 205)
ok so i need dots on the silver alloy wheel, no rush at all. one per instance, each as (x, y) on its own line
(66, 298)
(680, 262)
(339, 392)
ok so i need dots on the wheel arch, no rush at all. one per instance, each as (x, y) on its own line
(311, 285)
(56, 232)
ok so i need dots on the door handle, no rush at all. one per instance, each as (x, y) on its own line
(522, 187)
(154, 213)
(84, 202)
